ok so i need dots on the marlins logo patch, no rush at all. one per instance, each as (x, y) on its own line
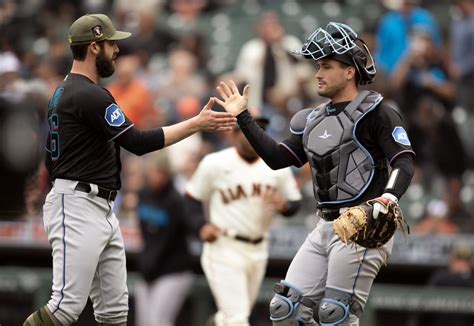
(400, 136)
(114, 116)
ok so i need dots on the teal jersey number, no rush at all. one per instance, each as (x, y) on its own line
(54, 136)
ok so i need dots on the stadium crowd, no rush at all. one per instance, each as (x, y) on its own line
(170, 66)
(180, 49)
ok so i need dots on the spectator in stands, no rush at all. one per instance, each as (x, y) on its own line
(151, 38)
(462, 47)
(395, 28)
(186, 13)
(181, 80)
(460, 271)
(11, 84)
(436, 221)
(267, 63)
(423, 70)
(426, 93)
(195, 43)
(460, 274)
(436, 138)
(457, 210)
(165, 262)
(132, 94)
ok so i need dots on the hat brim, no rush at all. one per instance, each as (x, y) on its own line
(119, 35)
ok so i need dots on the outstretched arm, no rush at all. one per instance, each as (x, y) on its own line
(206, 120)
(142, 142)
(275, 155)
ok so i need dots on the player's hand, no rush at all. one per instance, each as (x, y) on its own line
(232, 101)
(274, 201)
(209, 120)
(381, 204)
(210, 232)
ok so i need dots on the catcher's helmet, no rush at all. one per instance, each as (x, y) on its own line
(339, 42)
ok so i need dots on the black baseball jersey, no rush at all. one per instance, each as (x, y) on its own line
(382, 132)
(83, 122)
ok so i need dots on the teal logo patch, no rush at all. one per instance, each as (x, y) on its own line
(114, 116)
(53, 103)
(400, 136)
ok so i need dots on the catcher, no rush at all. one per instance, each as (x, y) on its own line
(347, 143)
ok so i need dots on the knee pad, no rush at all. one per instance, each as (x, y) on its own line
(289, 307)
(335, 308)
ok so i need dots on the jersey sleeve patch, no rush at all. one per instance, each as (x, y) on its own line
(114, 116)
(400, 136)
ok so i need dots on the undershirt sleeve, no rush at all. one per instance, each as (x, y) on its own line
(275, 155)
(141, 142)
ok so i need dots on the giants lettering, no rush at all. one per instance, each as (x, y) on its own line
(231, 194)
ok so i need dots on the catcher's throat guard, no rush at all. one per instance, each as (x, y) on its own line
(356, 225)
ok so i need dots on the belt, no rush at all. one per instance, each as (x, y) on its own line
(248, 240)
(329, 214)
(103, 192)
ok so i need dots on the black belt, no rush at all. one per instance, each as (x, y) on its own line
(329, 214)
(248, 240)
(103, 192)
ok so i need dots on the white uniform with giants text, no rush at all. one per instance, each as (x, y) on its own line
(234, 188)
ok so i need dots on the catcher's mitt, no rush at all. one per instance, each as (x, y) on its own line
(357, 224)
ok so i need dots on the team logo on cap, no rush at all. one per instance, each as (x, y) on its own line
(114, 116)
(97, 31)
(400, 136)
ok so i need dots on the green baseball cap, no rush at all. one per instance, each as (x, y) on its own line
(94, 28)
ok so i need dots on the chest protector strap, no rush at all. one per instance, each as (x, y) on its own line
(342, 168)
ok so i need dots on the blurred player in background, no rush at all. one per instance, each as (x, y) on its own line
(243, 195)
(87, 129)
(19, 154)
(165, 262)
(347, 142)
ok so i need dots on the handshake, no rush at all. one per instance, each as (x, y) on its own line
(232, 101)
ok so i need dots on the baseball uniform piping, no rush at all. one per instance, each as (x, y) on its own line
(64, 254)
(358, 272)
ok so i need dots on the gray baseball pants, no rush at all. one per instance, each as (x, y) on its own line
(88, 255)
(323, 261)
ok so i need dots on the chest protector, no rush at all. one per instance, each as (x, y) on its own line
(341, 167)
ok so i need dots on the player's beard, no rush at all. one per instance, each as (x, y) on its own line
(105, 66)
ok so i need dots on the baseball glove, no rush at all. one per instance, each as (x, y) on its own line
(357, 225)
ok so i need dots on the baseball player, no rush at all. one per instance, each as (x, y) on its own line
(87, 129)
(243, 193)
(347, 142)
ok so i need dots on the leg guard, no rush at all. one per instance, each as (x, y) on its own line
(335, 308)
(289, 307)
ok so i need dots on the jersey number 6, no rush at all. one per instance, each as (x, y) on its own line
(54, 136)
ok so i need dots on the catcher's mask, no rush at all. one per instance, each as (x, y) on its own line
(339, 42)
